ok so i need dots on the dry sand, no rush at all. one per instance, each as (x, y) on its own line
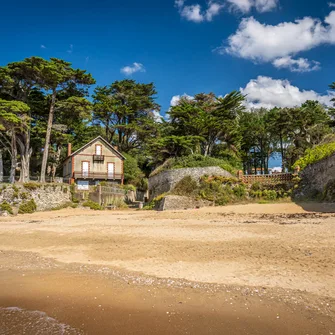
(247, 269)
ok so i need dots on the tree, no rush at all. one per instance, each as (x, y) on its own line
(18, 81)
(13, 120)
(208, 120)
(126, 111)
(57, 76)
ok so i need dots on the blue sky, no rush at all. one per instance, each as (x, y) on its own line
(184, 47)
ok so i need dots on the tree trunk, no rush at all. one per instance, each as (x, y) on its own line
(282, 153)
(14, 159)
(47, 137)
(1, 167)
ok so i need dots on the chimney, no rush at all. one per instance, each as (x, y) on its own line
(69, 149)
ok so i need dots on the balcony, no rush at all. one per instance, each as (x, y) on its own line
(98, 158)
(97, 175)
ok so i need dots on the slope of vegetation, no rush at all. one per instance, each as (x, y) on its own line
(194, 161)
(315, 155)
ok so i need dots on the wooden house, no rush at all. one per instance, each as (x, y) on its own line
(94, 162)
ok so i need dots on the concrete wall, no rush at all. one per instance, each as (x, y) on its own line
(315, 177)
(46, 196)
(166, 180)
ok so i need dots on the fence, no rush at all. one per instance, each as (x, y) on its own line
(276, 178)
(58, 180)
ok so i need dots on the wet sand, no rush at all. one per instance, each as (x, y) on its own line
(259, 269)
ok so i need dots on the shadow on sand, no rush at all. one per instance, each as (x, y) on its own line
(322, 207)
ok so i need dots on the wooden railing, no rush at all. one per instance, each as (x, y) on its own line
(275, 178)
(97, 175)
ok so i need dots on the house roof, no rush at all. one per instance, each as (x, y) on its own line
(104, 142)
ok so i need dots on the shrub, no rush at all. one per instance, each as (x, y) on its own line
(31, 186)
(24, 195)
(315, 154)
(92, 205)
(132, 173)
(270, 195)
(5, 206)
(28, 207)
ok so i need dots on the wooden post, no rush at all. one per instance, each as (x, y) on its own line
(100, 197)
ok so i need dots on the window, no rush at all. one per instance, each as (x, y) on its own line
(98, 150)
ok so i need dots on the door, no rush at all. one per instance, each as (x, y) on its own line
(85, 169)
(110, 170)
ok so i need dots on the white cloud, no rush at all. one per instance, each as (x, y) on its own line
(157, 116)
(331, 4)
(261, 6)
(70, 49)
(129, 70)
(195, 13)
(266, 43)
(175, 99)
(43, 46)
(268, 92)
(296, 65)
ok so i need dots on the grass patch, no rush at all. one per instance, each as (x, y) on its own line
(5, 206)
(28, 207)
(92, 205)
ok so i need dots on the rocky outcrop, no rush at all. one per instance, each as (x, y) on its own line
(166, 180)
(176, 202)
(317, 181)
(45, 196)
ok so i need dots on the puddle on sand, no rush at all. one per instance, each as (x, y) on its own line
(15, 320)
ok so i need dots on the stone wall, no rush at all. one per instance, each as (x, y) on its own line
(176, 202)
(46, 196)
(315, 179)
(166, 180)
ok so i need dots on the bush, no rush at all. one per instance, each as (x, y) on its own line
(24, 195)
(315, 154)
(31, 186)
(92, 205)
(66, 205)
(193, 161)
(132, 173)
(5, 206)
(28, 207)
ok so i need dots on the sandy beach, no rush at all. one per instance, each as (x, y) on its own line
(245, 269)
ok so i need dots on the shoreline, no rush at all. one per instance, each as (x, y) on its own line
(66, 264)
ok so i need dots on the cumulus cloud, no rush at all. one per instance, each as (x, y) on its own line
(195, 13)
(129, 70)
(296, 65)
(261, 6)
(268, 92)
(43, 46)
(176, 98)
(266, 43)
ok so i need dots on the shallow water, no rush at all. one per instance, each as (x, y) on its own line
(15, 321)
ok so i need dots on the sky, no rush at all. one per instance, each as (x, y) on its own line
(276, 52)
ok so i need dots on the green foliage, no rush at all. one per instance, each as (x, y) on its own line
(315, 154)
(5, 206)
(132, 172)
(31, 186)
(92, 205)
(24, 195)
(28, 207)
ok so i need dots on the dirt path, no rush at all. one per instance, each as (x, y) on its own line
(278, 248)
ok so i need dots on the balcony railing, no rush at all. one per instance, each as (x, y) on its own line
(98, 158)
(97, 175)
